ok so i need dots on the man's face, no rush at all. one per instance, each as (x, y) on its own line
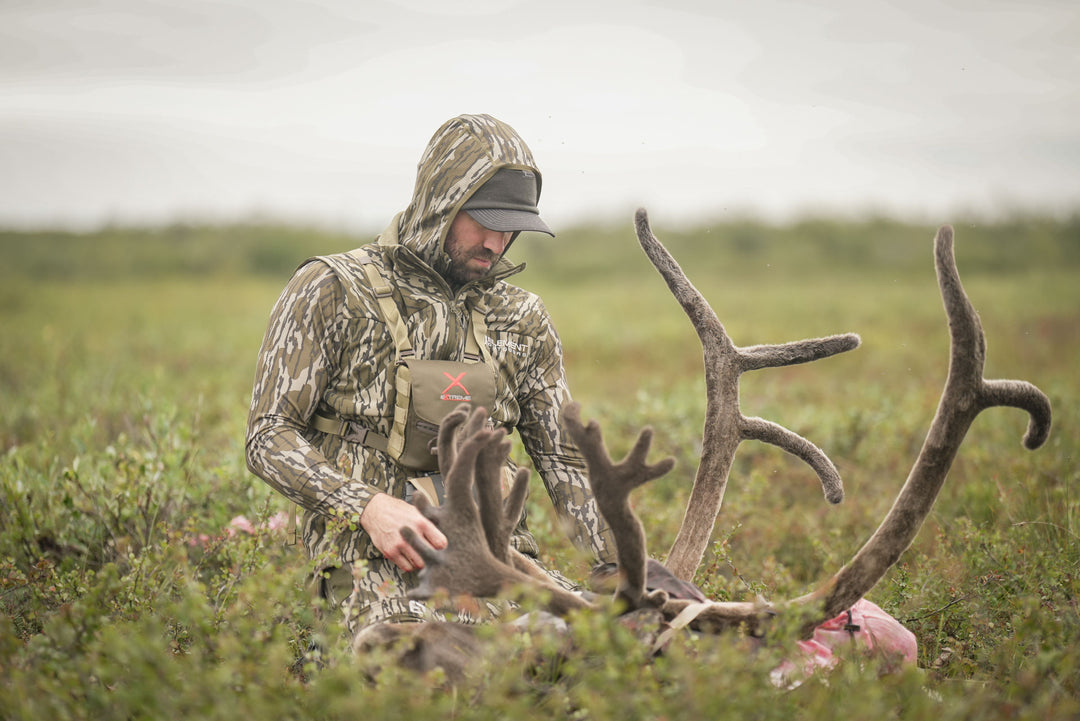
(473, 249)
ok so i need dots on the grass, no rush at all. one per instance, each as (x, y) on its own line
(125, 373)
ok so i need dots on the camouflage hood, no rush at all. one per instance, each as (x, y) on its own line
(462, 155)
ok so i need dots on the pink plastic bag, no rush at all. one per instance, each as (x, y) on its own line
(865, 625)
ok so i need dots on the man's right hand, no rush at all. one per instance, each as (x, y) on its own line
(383, 519)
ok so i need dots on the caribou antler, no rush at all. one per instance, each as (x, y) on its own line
(478, 561)
(725, 425)
(469, 565)
(458, 518)
(498, 515)
(966, 394)
(611, 485)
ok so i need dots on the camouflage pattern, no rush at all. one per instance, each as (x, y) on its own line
(327, 349)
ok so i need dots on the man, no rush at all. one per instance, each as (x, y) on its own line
(323, 418)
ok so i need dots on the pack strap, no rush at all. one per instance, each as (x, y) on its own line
(384, 294)
(476, 349)
(350, 431)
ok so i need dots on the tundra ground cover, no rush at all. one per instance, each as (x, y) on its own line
(127, 589)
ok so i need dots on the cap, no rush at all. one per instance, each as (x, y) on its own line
(507, 202)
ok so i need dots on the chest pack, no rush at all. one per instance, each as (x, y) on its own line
(425, 390)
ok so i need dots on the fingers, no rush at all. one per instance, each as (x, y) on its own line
(418, 545)
(432, 535)
(409, 554)
(414, 552)
(385, 517)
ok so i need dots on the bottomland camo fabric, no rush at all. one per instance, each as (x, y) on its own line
(328, 351)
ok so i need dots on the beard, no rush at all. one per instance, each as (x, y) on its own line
(462, 268)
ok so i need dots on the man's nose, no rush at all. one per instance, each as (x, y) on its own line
(496, 241)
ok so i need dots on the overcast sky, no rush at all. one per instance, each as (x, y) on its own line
(132, 111)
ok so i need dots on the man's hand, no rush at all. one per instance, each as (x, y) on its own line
(383, 519)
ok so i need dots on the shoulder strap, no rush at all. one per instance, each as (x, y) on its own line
(384, 294)
(475, 341)
(476, 349)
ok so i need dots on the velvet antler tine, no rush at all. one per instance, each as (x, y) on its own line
(460, 480)
(1026, 397)
(701, 314)
(796, 352)
(796, 445)
(514, 503)
(489, 474)
(447, 443)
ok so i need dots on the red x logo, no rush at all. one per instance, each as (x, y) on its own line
(463, 396)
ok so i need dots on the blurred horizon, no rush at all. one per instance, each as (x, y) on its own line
(732, 247)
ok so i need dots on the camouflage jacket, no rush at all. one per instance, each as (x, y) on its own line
(328, 350)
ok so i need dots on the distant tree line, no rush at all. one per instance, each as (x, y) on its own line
(726, 245)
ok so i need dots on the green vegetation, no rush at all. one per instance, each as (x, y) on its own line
(125, 371)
